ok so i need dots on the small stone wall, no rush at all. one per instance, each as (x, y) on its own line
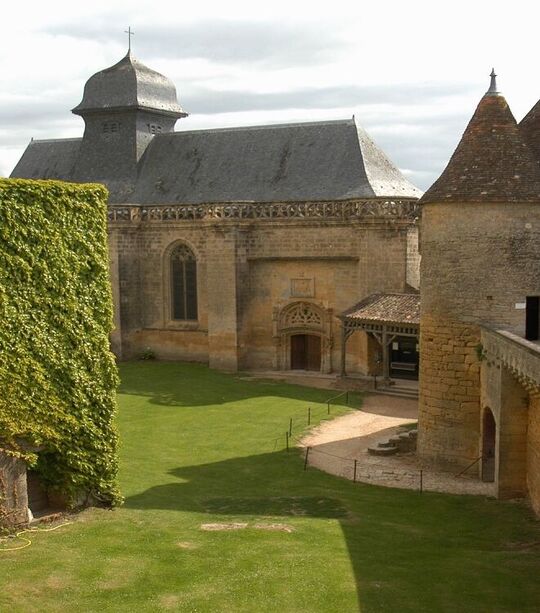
(511, 388)
(13, 491)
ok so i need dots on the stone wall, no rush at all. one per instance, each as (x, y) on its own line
(413, 258)
(511, 390)
(533, 453)
(449, 399)
(13, 491)
(246, 269)
(479, 262)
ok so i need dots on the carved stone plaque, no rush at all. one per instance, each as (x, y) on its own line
(302, 288)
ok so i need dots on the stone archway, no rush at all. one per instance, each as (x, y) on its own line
(303, 337)
(489, 442)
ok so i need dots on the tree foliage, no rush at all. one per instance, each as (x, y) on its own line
(57, 376)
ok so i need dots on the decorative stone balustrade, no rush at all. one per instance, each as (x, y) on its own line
(520, 356)
(334, 211)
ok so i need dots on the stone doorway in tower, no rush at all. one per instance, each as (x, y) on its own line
(305, 352)
(489, 433)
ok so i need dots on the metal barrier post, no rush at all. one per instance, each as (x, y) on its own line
(354, 477)
(290, 426)
(306, 459)
(421, 481)
(309, 416)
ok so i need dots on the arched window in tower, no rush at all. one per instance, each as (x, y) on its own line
(183, 283)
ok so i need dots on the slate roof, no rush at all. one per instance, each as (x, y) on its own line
(492, 162)
(129, 84)
(331, 160)
(530, 129)
(328, 160)
(387, 308)
(48, 159)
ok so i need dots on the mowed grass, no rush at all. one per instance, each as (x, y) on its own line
(200, 447)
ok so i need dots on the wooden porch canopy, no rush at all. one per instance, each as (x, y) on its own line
(384, 316)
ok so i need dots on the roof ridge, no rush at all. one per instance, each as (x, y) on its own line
(378, 166)
(262, 126)
(55, 140)
(530, 128)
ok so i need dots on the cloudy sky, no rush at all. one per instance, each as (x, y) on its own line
(411, 72)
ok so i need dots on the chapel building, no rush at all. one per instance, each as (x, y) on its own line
(243, 247)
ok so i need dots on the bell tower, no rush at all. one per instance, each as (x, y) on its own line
(123, 108)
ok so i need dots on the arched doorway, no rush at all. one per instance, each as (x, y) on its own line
(302, 334)
(489, 436)
(305, 352)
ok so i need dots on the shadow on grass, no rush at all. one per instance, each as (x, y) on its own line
(395, 539)
(182, 384)
(408, 551)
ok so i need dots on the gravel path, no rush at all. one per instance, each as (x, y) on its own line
(337, 443)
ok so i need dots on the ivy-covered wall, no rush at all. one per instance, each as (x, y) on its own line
(57, 376)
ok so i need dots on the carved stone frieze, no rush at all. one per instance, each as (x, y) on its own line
(357, 209)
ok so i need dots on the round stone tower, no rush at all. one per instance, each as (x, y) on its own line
(123, 107)
(480, 236)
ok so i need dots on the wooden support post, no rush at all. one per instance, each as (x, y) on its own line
(385, 357)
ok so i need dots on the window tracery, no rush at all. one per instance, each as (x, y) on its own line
(183, 266)
(301, 314)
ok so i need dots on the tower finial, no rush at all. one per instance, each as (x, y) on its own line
(493, 84)
(130, 33)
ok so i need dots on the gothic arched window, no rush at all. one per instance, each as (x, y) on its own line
(183, 283)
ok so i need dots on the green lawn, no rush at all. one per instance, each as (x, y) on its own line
(199, 447)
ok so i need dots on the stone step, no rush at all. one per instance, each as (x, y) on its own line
(377, 450)
(400, 392)
(403, 442)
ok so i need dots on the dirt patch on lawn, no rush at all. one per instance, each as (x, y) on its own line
(274, 527)
(187, 545)
(218, 527)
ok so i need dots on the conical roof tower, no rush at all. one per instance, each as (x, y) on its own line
(492, 162)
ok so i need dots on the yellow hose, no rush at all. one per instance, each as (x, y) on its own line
(28, 542)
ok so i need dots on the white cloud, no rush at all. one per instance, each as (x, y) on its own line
(411, 72)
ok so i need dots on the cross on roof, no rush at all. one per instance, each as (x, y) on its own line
(130, 33)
